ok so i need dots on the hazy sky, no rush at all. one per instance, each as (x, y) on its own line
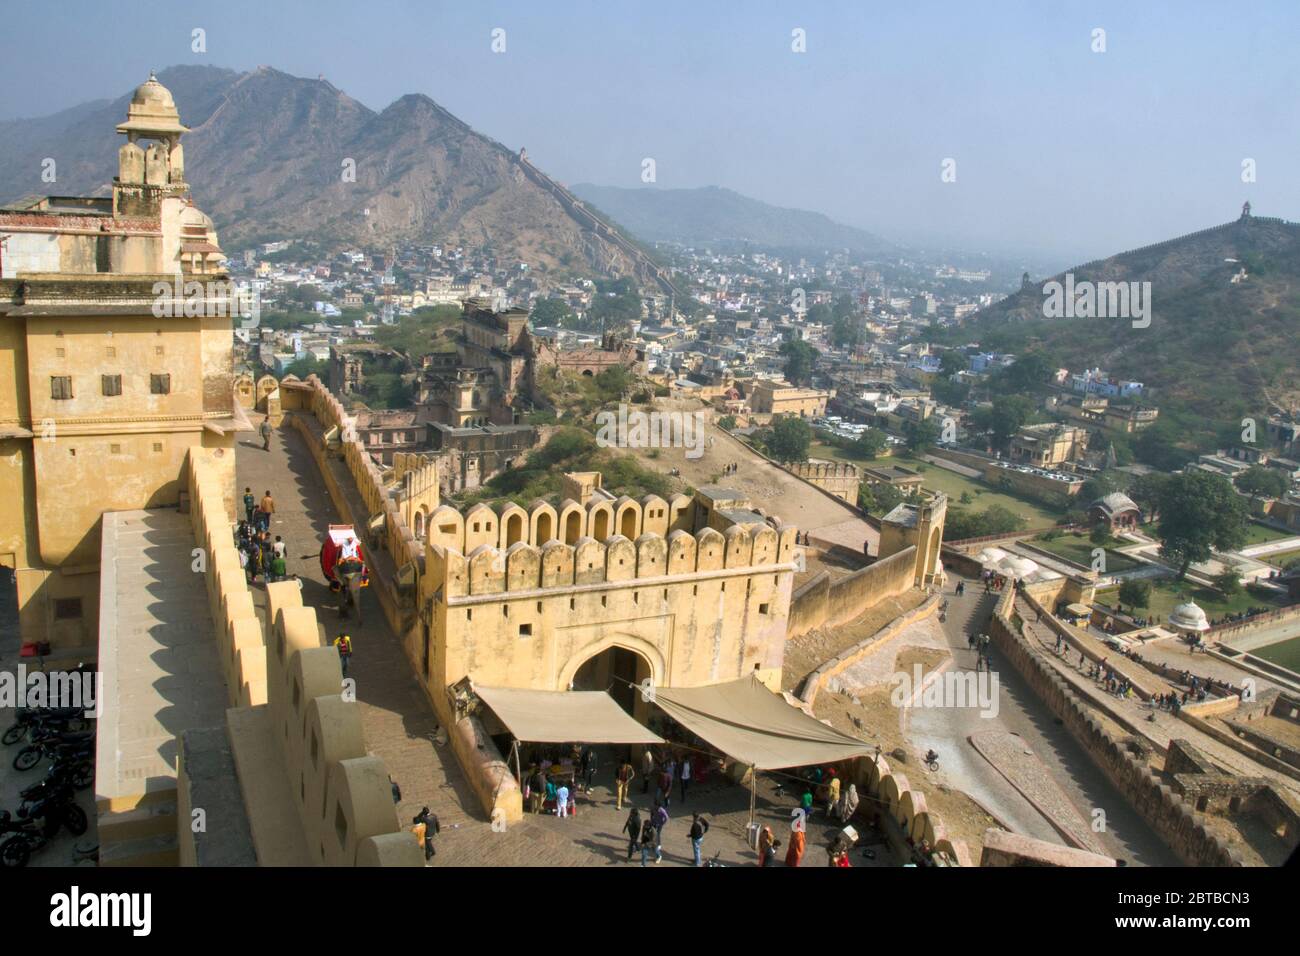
(1058, 149)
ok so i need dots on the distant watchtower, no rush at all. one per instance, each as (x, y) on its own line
(1025, 281)
(1245, 209)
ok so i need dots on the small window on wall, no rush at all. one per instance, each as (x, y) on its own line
(763, 608)
(60, 387)
(160, 383)
(112, 385)
(157, 446)
(67, 609)
(525, 630)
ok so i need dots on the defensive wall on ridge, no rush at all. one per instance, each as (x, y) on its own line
(1174, 820)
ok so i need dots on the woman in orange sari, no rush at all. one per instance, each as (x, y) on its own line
(795, 853)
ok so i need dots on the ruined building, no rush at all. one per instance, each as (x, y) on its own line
(492, 377)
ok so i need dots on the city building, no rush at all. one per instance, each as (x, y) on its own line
(769, 397)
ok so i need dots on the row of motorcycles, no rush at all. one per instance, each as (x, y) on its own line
(65, 739)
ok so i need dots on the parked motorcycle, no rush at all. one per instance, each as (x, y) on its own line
(67, 719)
(61, 748)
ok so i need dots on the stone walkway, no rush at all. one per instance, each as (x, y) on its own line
(1157, 726)
(399, 720)
(1022, 712)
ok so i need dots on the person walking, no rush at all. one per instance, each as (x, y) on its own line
(279, 570)
(588, 768)
(795, 852)
(767, 844)
(632, 827)
(832, 796)
(660, 820)
(536, 791)
(849, 804)
(266, 434)
(622, 778)
(686, 775)
(344, 645)
(699, 827)
(649, 838)
(266, 510)
(426, 828)
(562, 800)
(647, 768)
(250, 505)
(665, 787)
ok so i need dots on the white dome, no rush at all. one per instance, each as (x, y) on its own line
(1017, 566)
(1189, 617)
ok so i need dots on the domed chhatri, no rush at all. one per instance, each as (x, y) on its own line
(1188, 618)
(152, 110)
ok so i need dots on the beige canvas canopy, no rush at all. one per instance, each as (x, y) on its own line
(754, 726)
(558, 717)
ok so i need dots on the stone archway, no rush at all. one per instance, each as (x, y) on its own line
(619, 664)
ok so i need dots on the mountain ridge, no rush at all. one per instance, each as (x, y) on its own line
(266, 158)
(716, 215)
(1219, 348)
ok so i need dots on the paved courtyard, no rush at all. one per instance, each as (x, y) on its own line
(400, 723)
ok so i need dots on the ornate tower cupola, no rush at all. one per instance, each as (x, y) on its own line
(146, 176)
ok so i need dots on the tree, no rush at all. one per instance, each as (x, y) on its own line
(1228, 581)
(790, 439)
(921, 435)
(550, 312)
(963, 523)
(308, 365)
(1145, 490)
(1099, 534)
(870, 443)
(1005, 416)
(1028, 371)
(879, 498)
(1265, 482)
(800, 357)
(846, 328)
(951, 362)
(1199, 511)
(1136, 594)
(727, 422)
(1157, 446)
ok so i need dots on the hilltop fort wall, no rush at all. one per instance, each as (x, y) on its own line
(1180, 826)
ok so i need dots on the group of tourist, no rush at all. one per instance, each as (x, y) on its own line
(556, 776)
(992, 581)
(980, 644)
(1239, 616)
(731, 469)
(259, 553)
(1114, 682)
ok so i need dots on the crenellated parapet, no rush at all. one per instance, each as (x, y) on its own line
(811, 471)
(599, 518)
(489, 569)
